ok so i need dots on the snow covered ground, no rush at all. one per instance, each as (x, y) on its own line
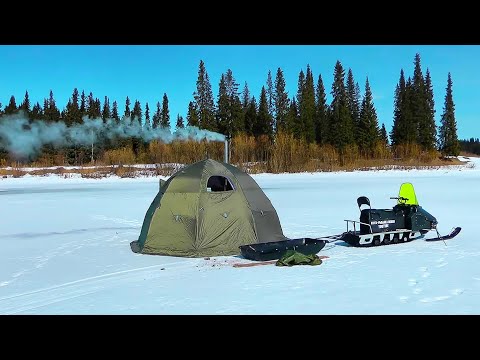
(64, 249)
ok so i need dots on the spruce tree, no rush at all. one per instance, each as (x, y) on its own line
(292, 117)
(448, 139)
(204, 100)
(307, 108)
(263, 123)
(115, 111)
(383, 135)
(428, 129)
(147, 116)
(418, 101)
(83, 105)
(106, 110)
(179, 124)
(165, 114)
(222, 115)
(72, 111)
(368, 131)
(192, 115)
(37, 112)
(91, 106)
(270, 96)
(11, 108)
(321, 114)
(353, 99)
(235, 113)
(98, 108)
(410, 126)
(51, 112)
(245, 97)
(281, 101)
(251, 116)
(340, 123)
(398, 133)
(298, 127)
(25, 105)
(127, 112)
(157, 116)
(137, 112)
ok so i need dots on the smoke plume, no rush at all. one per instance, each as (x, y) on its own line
(25, 138)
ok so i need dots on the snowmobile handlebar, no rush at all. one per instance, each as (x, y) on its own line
(401, 198)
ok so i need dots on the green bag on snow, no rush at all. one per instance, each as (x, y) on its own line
(292, 257)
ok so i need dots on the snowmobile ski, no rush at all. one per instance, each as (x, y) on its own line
(452, 234)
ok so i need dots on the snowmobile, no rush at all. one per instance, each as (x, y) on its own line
(406, 221)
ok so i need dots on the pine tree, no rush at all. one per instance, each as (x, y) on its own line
(368, 131)
(180, 124)
(251, 116)
(157, 117)
(281, 101)
(137, 112)
(147, 116)
(428, 133)
(165, 114)
(307, 108)
(192, 115)
(106, 110)
(340, 123)
(263, 125)
(11, 108)
(321, 115)
(25, 105)
(448, 139)
(204, 100)
(127, 112)
(115, 111)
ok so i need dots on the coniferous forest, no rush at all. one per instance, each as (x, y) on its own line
(280, 131)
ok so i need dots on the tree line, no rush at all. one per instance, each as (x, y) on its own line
(471, 146)
(348, 123)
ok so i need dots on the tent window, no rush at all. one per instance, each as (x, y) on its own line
(219, 183)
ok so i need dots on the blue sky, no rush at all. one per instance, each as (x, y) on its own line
(146, 72)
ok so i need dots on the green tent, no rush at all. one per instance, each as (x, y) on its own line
(208, 208)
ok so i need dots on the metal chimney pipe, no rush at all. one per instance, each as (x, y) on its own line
(225, 148)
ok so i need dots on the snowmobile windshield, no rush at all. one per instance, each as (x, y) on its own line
(407, 192)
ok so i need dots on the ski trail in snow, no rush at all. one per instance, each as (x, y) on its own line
(441, 263)
(46, 296)
(117, 220)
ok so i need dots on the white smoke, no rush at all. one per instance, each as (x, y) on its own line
(25, 138)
